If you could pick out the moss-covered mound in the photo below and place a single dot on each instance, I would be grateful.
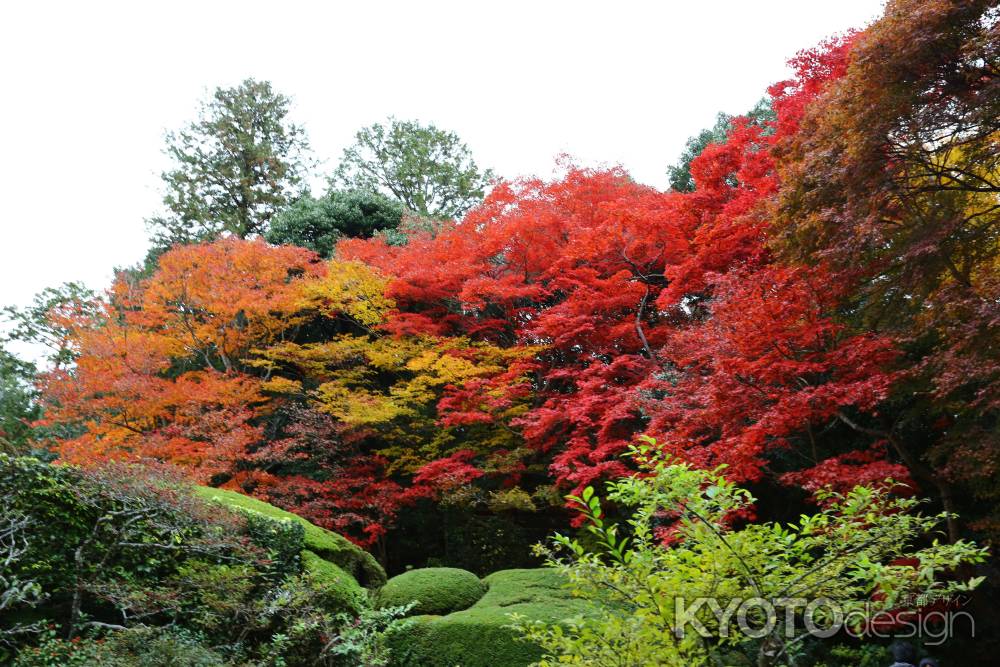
(478, 636)
(338, 590)
(327, 545)
(436, 590)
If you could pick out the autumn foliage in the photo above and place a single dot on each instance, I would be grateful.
(820, 310)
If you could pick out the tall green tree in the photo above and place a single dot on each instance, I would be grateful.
(50, 320)
(48, 324)
(233, 168)
(429, 170)
(17, 402)
(318, 224)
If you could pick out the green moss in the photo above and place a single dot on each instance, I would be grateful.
(326, 544)
(337, 589)
(479, 636)
(436, 590)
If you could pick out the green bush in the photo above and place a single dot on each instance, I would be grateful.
(114, 541)
(135, 647)
(318, 224)
(89, 547)
(45, 493)
(326, 544)
(283, 541)
(481, 636)
(850, 547)
(337, 590)
(434, 590)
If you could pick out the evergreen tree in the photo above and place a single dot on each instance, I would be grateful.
(234, 168)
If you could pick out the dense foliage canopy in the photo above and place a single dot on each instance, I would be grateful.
(812, 304)
(515, 354)
(428, 169)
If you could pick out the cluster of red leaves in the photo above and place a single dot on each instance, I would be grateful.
(767, 364)
(339, 487)
(654, 311)
(840, 473)
(358, 500)
(449, 473)
(573, 266)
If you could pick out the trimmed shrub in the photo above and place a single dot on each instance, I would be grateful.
(435, 590)
(336, 589)
(481, 636)
(326, 544)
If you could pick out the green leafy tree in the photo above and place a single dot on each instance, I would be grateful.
(429, 170)
(17, 402)
(318, 224)
(233, 169)
(679, 175)
(857, 555)
(48, 324)
(50, 320)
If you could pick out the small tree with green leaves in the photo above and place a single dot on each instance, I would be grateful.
(49, 320)
(318, 224)
(680, 546)
(431, 171)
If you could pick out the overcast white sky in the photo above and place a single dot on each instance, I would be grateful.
(90, 87)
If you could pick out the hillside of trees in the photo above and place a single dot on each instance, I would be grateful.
(342, 428)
